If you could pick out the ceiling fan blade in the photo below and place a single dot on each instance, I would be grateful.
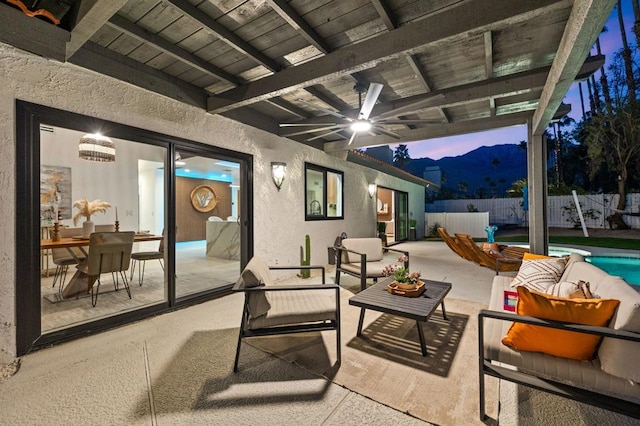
(370, 101)
(385, 132)
(327, 111)
(317, 129)
(408, 121)
(353, 137)
(326, 134)
(306, 124)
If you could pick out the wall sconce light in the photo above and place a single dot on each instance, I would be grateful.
(95, 147)
(278, 172)
(372, 190)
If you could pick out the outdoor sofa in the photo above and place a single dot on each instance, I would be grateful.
(610, 380)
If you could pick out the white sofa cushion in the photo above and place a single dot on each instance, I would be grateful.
(372, 247)
(539, 275)
(571, 290)
(614, 355)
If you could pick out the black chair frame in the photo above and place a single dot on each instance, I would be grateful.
(288, 329)
(585, 396)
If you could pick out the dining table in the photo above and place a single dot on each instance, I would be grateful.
(81, 283)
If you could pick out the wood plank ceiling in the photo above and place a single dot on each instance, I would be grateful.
(461, 65)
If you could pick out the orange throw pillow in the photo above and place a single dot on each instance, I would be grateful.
(561, 343)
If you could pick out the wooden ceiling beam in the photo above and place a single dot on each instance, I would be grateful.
(92, 15)
(139, 33)
(474, 17)
(289, 107)
(583, 27)
(385, 14)
(434, 131)
(286, 12)
(211, 25)
(488, 54)
(104, 61)
(32, 34)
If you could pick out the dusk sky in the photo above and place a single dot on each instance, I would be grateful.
(458, 145)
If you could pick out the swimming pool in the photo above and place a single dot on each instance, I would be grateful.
(560, 251)
(627, 267)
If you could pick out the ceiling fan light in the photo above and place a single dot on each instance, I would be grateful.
(360, 126)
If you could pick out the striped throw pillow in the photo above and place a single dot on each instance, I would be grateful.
(571, 290)
(539, 275)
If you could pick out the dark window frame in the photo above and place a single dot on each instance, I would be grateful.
(323, 214)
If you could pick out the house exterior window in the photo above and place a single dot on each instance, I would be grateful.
(324, 193)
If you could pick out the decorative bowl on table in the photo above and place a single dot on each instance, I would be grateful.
(407, 290)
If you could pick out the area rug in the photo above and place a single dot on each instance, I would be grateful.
(386, 363)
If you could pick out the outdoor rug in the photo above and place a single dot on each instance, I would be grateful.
(386, 363)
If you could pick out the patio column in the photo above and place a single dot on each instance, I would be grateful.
(537, 182)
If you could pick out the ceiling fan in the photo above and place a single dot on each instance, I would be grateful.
(363, 123)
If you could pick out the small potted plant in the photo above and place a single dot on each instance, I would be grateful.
(403, 278)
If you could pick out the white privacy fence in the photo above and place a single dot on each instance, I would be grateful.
(462, 223)
(561, 211)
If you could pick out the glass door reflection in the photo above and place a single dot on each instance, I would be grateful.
(134, 186)
(208, 231)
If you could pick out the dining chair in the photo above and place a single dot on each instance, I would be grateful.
(63, 257)
(143, 256)
(108, 252)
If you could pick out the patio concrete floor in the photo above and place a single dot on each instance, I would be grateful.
(106, 378)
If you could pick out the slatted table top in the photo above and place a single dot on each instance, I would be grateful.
(419, 308)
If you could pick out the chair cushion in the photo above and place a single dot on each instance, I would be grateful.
(147, 255)
(374, 269)
(256, 274)
(539, 275)
(372, 247)
(561, 343)
(296, 307)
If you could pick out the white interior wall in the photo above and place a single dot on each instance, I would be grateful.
(279, 225)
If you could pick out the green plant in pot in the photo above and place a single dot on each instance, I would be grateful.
(403, 278)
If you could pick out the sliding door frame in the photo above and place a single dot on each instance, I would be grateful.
(29, 116)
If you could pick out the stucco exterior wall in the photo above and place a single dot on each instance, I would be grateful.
(279, 225)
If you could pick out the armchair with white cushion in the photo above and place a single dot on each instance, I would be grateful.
(271, 308)
(363, 258)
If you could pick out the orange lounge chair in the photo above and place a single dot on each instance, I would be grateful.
(509, 258)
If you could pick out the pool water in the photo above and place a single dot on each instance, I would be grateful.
(625, 267)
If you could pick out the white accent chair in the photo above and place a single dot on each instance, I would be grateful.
(363, 258)
(283, 309)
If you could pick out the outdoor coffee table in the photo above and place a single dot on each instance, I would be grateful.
(418, 308)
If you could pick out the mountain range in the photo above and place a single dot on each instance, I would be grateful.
(485, 171)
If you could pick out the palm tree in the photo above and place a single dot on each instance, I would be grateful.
(626, 56)
(401, 155)
(636, 14)
(604, 83)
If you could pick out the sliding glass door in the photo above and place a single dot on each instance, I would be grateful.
(401, 215)
(188, 206)
(208, 222)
